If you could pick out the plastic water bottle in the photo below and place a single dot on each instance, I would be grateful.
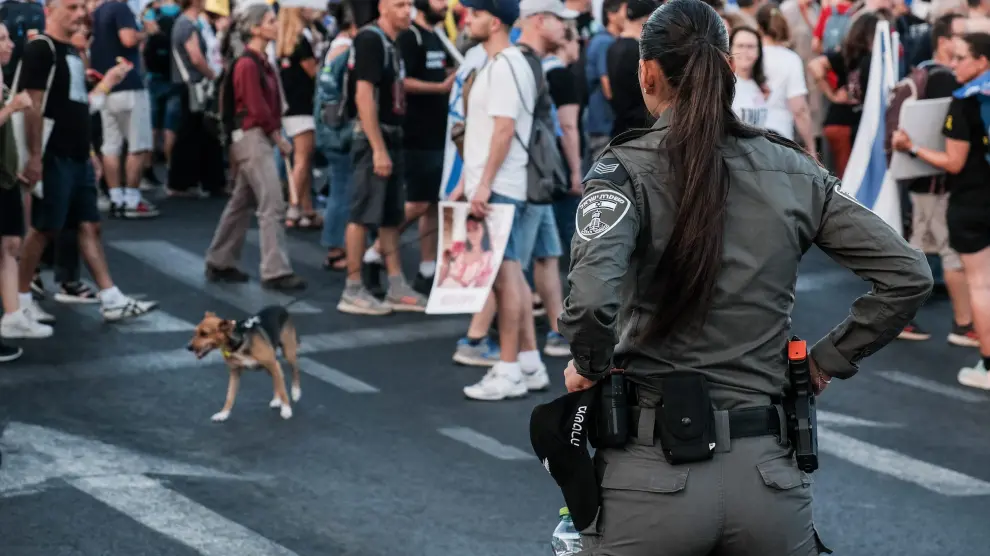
(566, 539)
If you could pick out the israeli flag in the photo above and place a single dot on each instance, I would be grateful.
(474, 59)
(866, 178)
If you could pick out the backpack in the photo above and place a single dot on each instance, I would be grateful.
(20, 17)
(158, 48)
(546, 179)
(334, 122)
(912, 87)
(221, 120)
(835, 30)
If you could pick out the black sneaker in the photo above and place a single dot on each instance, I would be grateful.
(913, 332)
(231, 275)
(289, 282)
(371, 274)
(9, 352)
(117, 210)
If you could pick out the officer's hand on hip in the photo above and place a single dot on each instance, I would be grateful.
(573, 381)
(819, 379)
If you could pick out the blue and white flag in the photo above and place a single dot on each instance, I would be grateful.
(474, 59)
(866, 178)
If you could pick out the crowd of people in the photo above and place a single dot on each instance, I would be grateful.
(280, 109)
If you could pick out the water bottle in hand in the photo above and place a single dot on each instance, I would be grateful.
(566, 539)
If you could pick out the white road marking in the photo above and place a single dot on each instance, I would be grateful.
(155, 321)
(343, 381)
(840, 420)
(815, 281)
(173, 515)
(170, 360)
(932, 386)
(485, 443)
(300, 252)
(33, 455)
(900, 466)
(188, 268)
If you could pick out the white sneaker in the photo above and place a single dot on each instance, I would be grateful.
(536, 379)
(975, 377)
(19, 325)
(127, 309)
(497, 385)
(36, 313)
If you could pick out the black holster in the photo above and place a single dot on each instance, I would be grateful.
(613, 415)
(686, 418)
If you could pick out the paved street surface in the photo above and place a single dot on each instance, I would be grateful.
(108, 448)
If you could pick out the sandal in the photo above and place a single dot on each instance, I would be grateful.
(292, 218)
(335, 262)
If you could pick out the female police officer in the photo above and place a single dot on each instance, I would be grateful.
(684, 265)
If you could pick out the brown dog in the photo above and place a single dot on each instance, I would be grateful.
(249, 344)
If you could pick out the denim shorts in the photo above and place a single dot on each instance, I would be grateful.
(547, 242)
(166, 106)
(70, 195)
(522, 237)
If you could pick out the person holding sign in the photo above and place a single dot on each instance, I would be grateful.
(968, 215)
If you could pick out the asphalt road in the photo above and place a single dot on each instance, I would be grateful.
(108, 448)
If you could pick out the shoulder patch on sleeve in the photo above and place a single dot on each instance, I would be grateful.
(609, 169)
(599, 212)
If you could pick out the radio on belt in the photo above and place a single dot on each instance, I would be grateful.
(802, 420)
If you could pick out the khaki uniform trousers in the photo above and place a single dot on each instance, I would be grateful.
(751, 500)
(256, 186)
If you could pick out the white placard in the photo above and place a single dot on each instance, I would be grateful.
(470, 253)
(922, 120)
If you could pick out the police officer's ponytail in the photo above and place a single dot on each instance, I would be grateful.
(689, 42)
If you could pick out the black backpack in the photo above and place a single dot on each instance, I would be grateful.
(158, 48)
(221, 120)
(20, 18)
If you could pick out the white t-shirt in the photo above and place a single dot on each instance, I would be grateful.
(785, 77)
(495, 93)
(749, 103)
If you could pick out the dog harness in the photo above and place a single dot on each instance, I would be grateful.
(267, 323)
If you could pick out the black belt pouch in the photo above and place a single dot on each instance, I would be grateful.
(686, 419)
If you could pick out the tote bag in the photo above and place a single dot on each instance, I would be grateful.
(17, 119)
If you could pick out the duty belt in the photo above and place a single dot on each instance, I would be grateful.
(742, 423)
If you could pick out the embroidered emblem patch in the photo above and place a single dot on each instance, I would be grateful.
(599, 212)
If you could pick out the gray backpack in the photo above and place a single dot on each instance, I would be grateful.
(546, 178)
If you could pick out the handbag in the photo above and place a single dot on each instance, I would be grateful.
(200, 92)
(17, 119)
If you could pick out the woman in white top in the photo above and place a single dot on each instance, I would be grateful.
(788, 107)
(750, 100)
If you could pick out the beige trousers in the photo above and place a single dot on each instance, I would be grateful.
(256, 185)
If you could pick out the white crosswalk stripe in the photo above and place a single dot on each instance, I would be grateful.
(188, 268)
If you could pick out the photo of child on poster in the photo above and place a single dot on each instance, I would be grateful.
(471, 251)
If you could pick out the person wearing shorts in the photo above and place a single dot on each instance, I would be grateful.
(930, 234)
(540, 223)
(126, 115)
(377, 197)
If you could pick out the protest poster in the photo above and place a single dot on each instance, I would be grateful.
(469, 252)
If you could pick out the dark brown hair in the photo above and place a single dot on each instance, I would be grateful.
(773, 24)
(688, 40)
(859, 40)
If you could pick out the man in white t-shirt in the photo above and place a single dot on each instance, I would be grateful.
(497, 129)
(788, 107)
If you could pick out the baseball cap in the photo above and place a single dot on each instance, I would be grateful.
(555, 7)
(558, 431)
(507, 11)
